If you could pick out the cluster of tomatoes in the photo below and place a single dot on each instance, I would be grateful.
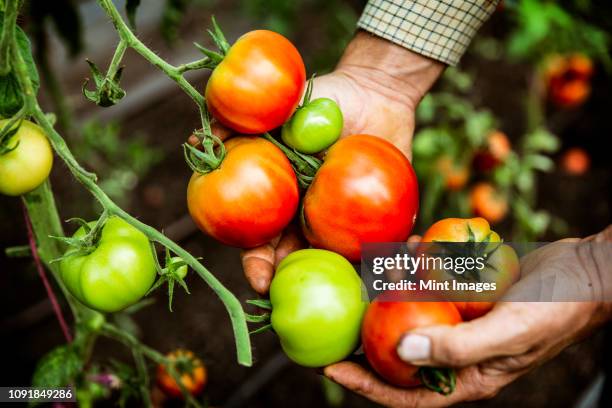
(568, 79)
(485, 199)
(364, 190)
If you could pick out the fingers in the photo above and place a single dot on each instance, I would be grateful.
(358, 379)
(509, 329)
(258, 266)
(259, 263)
(291, 241)
(219, 130)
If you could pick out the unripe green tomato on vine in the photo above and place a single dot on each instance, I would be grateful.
(314, 127)
(28, 165)
(117, 273)
(318, 302)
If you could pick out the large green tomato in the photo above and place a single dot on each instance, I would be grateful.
(29, 164)
(116, 274)
(318, 302)
(314, 127)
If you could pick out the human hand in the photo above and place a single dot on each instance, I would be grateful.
(494, 350)
(377, 85)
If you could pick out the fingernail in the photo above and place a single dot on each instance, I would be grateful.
(414, 347)
(262, 285)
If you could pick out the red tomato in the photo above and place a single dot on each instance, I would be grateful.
(365, 191)
(258, 84)
(473, 310)
(496, 151)
(567, 79)
(388, 318)
(249, 199)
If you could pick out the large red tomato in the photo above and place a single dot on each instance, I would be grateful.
(258, 84)
(249, 199)
(388, 318)
(365, 191)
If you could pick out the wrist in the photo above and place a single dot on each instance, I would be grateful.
(389, 69)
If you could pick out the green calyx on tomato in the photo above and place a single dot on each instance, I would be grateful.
(116, 272)
(250, 199)
(174, 271)
(26, 157)
(501, 261)
(318, 302)
(314, 126)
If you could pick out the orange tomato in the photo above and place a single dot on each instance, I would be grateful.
(190, 370)
(502, 264)
(259, 83)
(576, 161)
(488, 203)
(249, 199)
(455, 174)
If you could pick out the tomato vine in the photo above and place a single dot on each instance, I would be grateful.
(43, 215)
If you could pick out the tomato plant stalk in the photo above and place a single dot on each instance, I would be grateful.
(40, 203)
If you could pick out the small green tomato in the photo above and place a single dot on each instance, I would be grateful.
(314, 127)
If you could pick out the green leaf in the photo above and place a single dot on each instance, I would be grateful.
(262, 303)
(426, 110)
(525, 180)
(477, 126)
(540, 162)
(541, 140)
(130, 10)
(12, 100)
(57, 368)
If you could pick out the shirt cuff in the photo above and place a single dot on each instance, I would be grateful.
(439, 29)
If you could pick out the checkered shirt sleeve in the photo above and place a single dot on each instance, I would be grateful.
(439, 29)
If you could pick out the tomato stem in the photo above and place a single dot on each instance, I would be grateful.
(308, 93)
(305, 166)
(43, 277)
(88, 179)
(439, 379)
(208, 158)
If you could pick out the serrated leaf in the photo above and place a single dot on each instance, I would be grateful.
(57, 368)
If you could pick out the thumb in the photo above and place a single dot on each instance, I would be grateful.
(502, 332)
